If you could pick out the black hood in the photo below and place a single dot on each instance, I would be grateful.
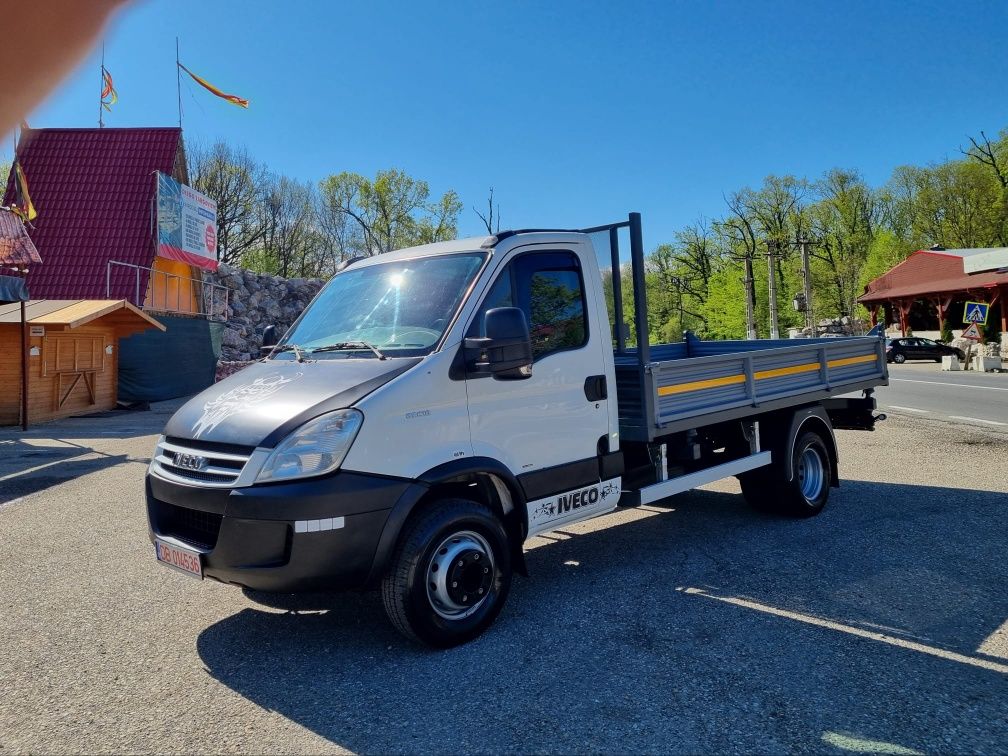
(260, 405)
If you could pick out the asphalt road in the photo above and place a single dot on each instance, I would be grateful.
(697, 626)
(963, 397)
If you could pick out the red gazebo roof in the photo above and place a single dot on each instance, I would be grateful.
(94, 191)
(929, 272)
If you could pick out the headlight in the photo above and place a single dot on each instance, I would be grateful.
(316, 448)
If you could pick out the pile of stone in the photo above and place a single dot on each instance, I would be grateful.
(257, 300)
(991, 349)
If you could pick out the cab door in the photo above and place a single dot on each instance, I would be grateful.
(549, 428)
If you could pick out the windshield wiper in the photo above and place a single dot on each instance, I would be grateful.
(344, 345)
(298, 354)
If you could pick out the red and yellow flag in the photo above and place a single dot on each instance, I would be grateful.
(109, 96)
(22, 202)
(233, 99)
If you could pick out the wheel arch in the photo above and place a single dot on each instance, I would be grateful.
(481, 479)
(816, 420)
(782, 429)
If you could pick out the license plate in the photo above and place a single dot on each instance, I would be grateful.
(184, 560)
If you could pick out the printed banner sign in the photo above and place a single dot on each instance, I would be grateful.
(186, 224)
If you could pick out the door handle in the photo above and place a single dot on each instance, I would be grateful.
(595, 388)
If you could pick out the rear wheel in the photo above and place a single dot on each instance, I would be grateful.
(899, 358)
(805, 494)
(450, 574)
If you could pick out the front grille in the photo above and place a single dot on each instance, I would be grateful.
(203, 462)
(192, 526)
(199, 475)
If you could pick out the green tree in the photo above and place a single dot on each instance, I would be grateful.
(387, 213)
(843, 223)
(236, 182)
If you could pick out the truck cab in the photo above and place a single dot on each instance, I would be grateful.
(429, 411)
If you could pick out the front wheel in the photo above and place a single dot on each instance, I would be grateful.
(450, 574)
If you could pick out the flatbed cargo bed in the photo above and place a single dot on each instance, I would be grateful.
(696, 383)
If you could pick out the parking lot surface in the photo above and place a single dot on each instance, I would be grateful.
(694, 626)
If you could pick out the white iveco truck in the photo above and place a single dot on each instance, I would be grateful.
(436, 406)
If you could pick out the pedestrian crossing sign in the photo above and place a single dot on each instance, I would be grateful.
(976, 312)
(971, 332)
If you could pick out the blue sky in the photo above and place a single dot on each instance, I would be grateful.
(575, 112)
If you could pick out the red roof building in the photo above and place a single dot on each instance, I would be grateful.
(94, 190)
(929, 282)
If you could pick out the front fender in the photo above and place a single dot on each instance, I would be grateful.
(445, 474)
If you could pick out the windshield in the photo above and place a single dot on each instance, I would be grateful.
(401, 308)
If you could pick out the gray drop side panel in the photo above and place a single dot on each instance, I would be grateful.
(696, 360)
(156, 365)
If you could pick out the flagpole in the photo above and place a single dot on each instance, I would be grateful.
(178, 83)
(102, 87)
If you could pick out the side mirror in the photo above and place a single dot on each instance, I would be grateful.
(506, 350)
(269, 339)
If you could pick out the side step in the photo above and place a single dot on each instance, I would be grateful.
(673, 486)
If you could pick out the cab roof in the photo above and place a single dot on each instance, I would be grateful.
(472, 244)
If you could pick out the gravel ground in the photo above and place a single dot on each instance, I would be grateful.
(695, 626)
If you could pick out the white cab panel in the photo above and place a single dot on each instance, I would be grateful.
(415, 422)
(545, 420)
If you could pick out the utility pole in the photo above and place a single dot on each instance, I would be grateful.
(803, 245)
(750, 300)
(772, 251)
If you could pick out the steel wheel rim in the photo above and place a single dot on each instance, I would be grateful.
(460, 575)
(811, 474)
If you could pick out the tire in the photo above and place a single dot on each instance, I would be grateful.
(899, 358)
(806, 494)
(767, 490)
(444, 605)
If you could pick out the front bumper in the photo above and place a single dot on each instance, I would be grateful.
(316, 534)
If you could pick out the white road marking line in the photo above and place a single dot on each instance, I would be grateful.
(908, 409)
(996, 643)
(941, 653)
(956, 385)
(860, 745)
(976, 420)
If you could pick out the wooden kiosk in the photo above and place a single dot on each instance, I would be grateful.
(73, 350)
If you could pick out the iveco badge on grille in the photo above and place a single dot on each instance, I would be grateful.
(190, 461)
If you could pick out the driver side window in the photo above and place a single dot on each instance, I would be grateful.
(549, 289)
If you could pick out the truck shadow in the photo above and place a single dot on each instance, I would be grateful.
(28, 469)
(701, 627)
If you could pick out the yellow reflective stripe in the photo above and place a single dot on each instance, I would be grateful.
(728, 380)
(853, 360)
(680, 388)
(808, 367)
